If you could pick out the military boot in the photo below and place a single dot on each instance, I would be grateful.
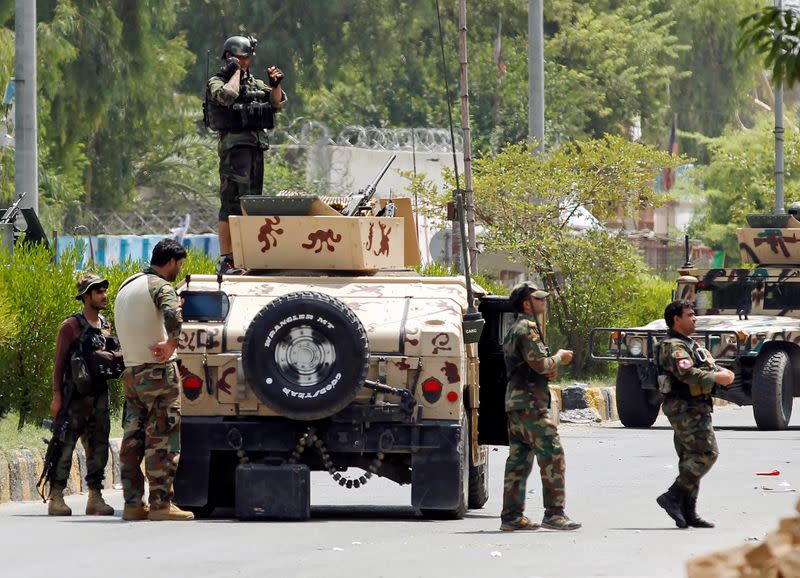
(521, 523)
(135, 513)
(225, 266)
(690, 514)
(558, 520)
(56, 506)
(170, 512)
(672, 502)
(96, 505)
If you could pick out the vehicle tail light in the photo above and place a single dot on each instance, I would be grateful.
(431, 390)
(452, 397)
(192, 386)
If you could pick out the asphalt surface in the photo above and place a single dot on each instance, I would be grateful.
(613, 477)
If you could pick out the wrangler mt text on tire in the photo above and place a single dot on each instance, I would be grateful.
(306, 355)
(633, 403)
(772, 390)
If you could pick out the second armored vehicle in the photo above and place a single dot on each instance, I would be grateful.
(749, 319)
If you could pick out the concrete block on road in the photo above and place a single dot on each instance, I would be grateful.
(602, 400)
(112, 469)
(22, 475)
(556, 404)
(5, 483)
(20, 471)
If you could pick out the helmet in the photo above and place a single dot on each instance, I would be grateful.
(524, 290)
(239, 46)
(86, 283)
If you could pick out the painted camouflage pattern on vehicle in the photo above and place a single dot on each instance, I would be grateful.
(769, 246)
(412, 322)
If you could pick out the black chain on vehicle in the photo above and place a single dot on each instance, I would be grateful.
(310, 439)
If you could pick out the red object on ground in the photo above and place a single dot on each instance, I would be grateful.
(772, 473)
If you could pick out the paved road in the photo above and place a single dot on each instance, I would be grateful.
(613, 477)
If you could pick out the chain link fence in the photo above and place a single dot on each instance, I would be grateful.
(203, 219)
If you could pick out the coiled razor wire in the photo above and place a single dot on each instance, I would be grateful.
(303, 132)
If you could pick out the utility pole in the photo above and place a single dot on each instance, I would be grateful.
(26, 164)
(536, 73)
(465, 130)
(779, 198)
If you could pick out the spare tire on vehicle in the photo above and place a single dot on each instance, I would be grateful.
(306, 355)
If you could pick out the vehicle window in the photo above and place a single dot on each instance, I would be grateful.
(777, 296)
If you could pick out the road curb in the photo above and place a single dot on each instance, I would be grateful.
(20, 470)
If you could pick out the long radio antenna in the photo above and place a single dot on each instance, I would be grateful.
(472, 321)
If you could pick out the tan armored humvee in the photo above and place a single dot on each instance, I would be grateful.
(749, 319)
(332, 351)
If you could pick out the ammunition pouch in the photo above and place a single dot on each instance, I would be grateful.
(664, 382)
(80, 375)
(244, 115)
(664, 379)
(105, 365)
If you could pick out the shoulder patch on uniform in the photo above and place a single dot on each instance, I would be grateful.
(680, 353)
(684, 363)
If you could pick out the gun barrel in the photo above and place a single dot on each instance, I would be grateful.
(366, 195)
(374, 184)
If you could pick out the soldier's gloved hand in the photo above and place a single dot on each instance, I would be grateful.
(230, 68)
(275, 75)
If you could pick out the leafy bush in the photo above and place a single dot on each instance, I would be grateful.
(36, 294)
(436, 269)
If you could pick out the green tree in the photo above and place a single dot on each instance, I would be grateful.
(595, 274)
(718, 82)
(775, 34)
(740, 179)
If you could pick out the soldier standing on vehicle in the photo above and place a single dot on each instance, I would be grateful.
(148, 317)
(531, 431)
(242, 139)
(692, 377)
(80, 338)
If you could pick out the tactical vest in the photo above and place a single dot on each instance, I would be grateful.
(139, 322)
(79, 370)
(669, 384)
(244, 115)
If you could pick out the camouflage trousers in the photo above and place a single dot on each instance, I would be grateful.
(152, 424)
(694, 439)
(241, 172)
(531, 432)
(88, 420)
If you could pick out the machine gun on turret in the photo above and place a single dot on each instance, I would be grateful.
(33, 231)
(361, 200)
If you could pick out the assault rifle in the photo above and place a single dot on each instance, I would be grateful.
(364, 196)
(55, 445)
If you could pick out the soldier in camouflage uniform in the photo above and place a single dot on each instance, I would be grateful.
(88, 414)
(531, 431)
(241, 153)
(691, 376)
(148, 316)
